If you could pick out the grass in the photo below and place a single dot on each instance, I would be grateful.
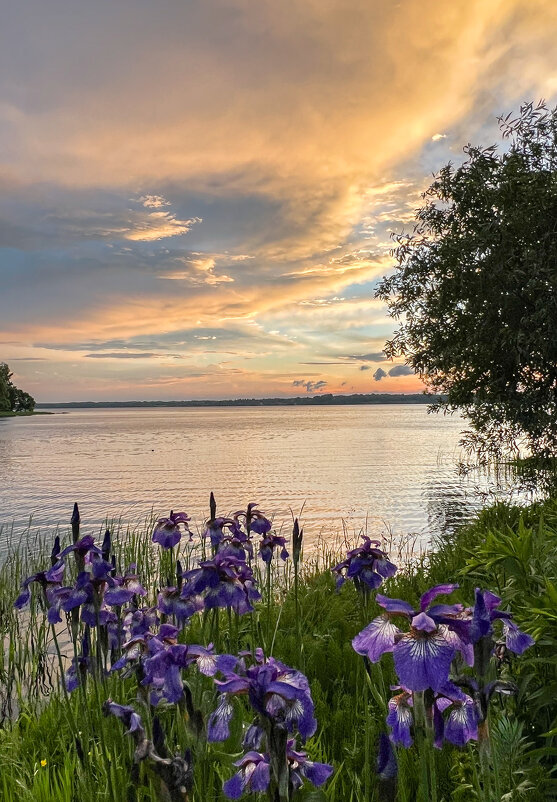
(510, 550)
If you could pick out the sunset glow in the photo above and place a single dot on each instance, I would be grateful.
(197, 198)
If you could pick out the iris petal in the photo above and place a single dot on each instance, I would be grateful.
(394, 605)
(432, 593)
(218, 726)
(376, 639)
(516, 640)
(423, 661)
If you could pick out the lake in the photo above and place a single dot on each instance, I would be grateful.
(385, 468)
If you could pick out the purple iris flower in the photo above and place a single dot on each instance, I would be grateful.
(122, 589)
(163, 659)
(163, 670)
(303, 769)
(237, 543)
(86, 593)
(423, 655)
(516, 640)
(367, 565)
(254, 773)
(138, 622)
(254, 520)
(100, 569)
(114, 629)
(131, 719)
(49, 581)
(254, 776)
(461, 723)
(485, 613)
(276, 692)
(215, 529)
(82, 547)
(170, 602)
(224, 581)
(136, 647)
(167, 532)
(455, 717)
(400, 718)
(268, 545)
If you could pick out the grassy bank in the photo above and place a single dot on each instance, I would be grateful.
(53, 748)
(6, 414)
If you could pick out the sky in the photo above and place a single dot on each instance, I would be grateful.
(197, 196)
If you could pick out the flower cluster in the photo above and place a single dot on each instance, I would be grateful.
(224, 581)
(366, 565)
(159, 659)
(424, 654)
(104, 610)
(281, 700)
(96, 588)
(277, 694)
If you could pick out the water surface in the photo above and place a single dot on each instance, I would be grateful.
(386, 467)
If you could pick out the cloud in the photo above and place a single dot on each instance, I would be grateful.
(157, 225)
(311, 386)
(124, 355)
(59, 217)
(375, 357)
(102, 345)
(201, 270)
(153, 201)
(396, 370)
(365, 367)
(437, 137)
(401, 370)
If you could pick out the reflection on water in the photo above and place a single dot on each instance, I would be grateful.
(380, 467)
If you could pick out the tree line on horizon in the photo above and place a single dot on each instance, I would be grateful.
(320, 400)
(12, 399)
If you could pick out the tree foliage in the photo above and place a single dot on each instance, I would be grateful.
(475, 287)
(12, 399)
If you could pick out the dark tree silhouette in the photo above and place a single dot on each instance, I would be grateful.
(12, 399)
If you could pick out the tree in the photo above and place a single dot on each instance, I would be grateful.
(23, 402)
(12, 399)
(5, 384)
(475, 287)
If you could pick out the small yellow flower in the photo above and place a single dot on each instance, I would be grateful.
(43, 763)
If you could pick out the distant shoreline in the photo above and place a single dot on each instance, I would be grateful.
(302, 401)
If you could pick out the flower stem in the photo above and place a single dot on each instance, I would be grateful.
(422, 747)
(484, 747)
